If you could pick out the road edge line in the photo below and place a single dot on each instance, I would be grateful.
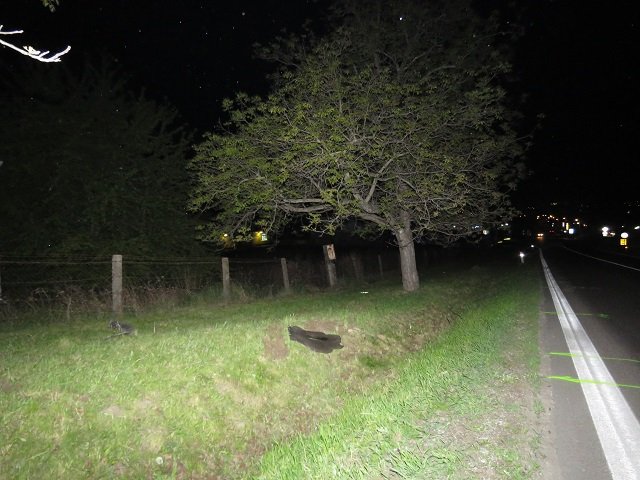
(617, 427)
(601, 259)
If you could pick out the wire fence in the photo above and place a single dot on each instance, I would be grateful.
(84, 283)
(21, 273)
(307, 269)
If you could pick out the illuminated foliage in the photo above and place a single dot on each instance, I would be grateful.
(51, 4)
(395, 119)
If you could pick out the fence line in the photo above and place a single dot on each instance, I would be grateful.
(303, 269)
(39, 262)
(46, 279)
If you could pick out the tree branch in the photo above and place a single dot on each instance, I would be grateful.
(308, 209)
(31, 52)
(378, 220)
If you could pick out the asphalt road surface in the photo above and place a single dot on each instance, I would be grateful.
(590, 341)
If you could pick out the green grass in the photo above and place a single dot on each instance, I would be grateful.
(212, 391)
(392, 432)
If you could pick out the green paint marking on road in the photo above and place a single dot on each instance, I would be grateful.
(615, 359)
(599, 315)
(564, 354)
(567, 378)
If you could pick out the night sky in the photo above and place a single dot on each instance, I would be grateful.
(578, 64)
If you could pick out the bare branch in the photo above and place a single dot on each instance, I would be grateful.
(29, 51)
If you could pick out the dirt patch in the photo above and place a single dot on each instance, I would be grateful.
(114, 411)
(7, 386)
(147, 405)
(235, 392)
(326, 326)
(410, 333)
(153, 438)
(120, 470)
(275, 347)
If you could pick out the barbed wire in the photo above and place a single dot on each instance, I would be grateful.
(51, 256)
(20, 260)
(4, 261)
(56, 282)
(161, 262)
(49, 262)
(250, 261)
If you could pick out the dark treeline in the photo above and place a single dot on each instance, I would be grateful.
(90, 167)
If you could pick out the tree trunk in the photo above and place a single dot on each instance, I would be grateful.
(408, 267)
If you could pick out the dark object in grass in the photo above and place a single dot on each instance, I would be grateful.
(316, 341)
(122, 328)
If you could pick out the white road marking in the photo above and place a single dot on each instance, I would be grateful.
(602, 259)
(617, 427)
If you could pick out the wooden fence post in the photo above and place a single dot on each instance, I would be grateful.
(380, 266)
(116, 284)
(226, 279)
(329, 257)
(356, 262)
(285, 275)
(1, 281)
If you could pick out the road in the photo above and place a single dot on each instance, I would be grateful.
(592, 363)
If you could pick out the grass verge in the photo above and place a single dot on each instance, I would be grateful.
(207, 391)
(464, 407)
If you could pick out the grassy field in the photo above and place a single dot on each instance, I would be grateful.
(438, 384)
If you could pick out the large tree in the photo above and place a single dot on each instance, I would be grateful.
(396, 118)
(90, 167)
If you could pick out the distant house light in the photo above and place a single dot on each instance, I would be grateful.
(259, 237)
